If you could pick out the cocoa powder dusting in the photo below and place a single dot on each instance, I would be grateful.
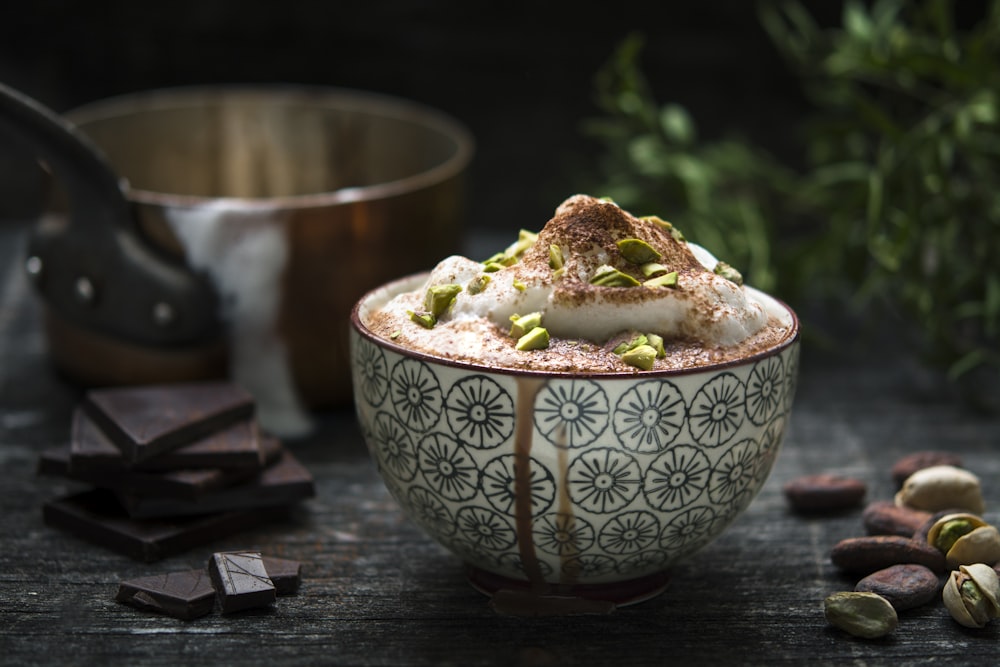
(586, 231)
(495, 349)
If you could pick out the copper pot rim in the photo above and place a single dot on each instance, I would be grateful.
(408, 282)
(377, 104)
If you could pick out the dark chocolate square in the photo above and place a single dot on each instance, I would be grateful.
(285, 574)
(283, 483)
(186, 595)
(96, 516)
(241, 581)
(234, 446)
(187, 483)
(145, 421)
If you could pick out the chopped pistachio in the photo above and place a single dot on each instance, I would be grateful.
(637, 251)
(519, 285)
(656, 342)
(658, 221)
(624, 347)
(512, 253)
(664, 225)
(559, 273)
(522, 324)
(609, 276)
(536, 339)
(652, 269)
(395, 334)
(556, 260)
(478, 284)
(525, 240)
(729, 273)
(501, 258)
(666, 280)
(426, 320)
(439, 297)
(641, 357)
(607, 199)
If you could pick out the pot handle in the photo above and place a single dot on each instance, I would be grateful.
(92, 267)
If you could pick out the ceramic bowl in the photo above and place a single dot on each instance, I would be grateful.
(590, 485)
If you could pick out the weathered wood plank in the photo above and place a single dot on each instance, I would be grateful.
(377, 592)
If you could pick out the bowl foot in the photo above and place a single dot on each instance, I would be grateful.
(523, 598)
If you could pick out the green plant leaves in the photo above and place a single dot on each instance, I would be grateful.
(897, 203)
(677, 125)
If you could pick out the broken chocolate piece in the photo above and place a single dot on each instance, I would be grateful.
(235, 446)
(185, 595)
(241, 581)
(285, 482)
(285, 574)
(188, 484)
(145, 421)
(97, 517)
(54, 461)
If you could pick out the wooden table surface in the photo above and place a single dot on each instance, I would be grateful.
(376, 591)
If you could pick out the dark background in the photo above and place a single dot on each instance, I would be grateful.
(518, 74)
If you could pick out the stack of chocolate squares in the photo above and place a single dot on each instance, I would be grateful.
(173, 467)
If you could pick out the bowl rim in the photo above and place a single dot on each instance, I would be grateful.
(395, 285)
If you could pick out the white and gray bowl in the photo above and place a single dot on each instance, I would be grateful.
(590, 485)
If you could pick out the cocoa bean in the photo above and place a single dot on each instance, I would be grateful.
(824, 493)
(864, 555)
(884, 517)
(905, 586)
(911, 463)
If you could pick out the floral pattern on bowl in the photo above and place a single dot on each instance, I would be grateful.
(575, 479)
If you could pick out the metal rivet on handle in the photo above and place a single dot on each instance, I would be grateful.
(33, 267)
(85, 290)
(163, 313)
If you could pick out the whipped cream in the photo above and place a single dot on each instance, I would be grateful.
(701, 308)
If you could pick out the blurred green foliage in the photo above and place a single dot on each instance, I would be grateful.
(895, 205)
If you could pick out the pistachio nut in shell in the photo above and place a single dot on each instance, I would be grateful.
(947, 530)
(982, 545)
(941, 487)
(861, 614)
(915, 461)
(971, 595)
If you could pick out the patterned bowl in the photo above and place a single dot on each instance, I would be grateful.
(584, 485)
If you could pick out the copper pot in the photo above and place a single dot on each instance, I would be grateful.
(287, 203)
